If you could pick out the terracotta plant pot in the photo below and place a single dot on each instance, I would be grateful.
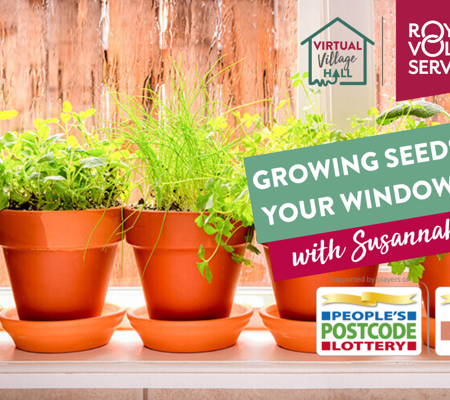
(296, 298)
(436, 274)
(173, 287)
(59, 262)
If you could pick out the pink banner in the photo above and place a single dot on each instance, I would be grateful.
(360, 247)
(422, 48)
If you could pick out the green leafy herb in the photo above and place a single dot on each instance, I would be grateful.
(401, 117)
(48, 169)
(420, 109)
(415, 268)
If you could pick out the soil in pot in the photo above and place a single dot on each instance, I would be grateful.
(173, 287)
(59, 262)
(296, 298)
(436, 274)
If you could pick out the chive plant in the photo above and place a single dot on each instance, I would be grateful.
(186, 157)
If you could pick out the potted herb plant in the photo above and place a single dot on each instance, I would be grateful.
(192, 225)
(296, 298)
(433, 271)
(60, 216)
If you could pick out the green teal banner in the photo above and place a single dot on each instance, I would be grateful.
(350, 184)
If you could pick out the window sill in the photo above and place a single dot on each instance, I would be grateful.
(254, 362)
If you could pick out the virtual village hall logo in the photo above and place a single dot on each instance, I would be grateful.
(332, 61)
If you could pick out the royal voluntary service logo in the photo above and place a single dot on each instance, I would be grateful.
(423, 49)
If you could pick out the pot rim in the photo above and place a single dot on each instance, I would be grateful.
(134, 210)
(90, 210)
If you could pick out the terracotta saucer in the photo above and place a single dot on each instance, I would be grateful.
(288, 333)
(190, 336)
(62, 336)
(432, 331)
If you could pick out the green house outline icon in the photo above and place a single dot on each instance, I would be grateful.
(309, 41)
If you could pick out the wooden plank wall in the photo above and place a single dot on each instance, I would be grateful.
(57, 50)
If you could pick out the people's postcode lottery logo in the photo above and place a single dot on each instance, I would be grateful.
(362, 321)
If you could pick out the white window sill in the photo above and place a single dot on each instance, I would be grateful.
(254, 362)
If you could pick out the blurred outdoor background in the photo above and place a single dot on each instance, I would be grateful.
(57, 50)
